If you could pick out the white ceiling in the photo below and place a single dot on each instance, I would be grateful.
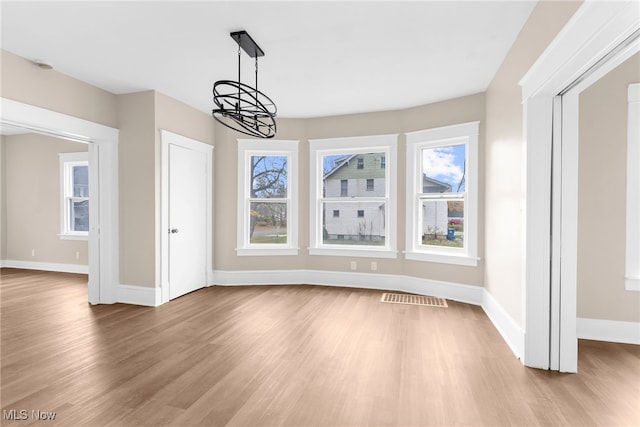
(321, 58)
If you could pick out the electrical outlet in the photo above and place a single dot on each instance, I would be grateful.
(374, 266)
(33, 252)
(354, 265)
(77, 255)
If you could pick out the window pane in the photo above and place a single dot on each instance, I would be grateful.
(359, 223)
(268, 177)
(349, 175)
(268, 223)
(344, 187)
(443, 222)
(80, 176)
(79, 215)
(443, 169)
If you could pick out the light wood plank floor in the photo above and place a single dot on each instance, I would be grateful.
(286, 355)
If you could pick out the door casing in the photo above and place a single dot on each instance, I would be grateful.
(594, 31)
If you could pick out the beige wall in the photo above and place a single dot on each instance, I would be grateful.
(141, 117)
(137, 190)
(32, 173)
(602, 198)
(504, 157)
(460, 110)
(23, 81)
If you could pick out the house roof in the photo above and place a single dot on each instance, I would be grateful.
(445, 186)
(343, 162)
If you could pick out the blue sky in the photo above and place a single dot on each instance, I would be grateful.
(271, 163)
(446, 164)
(328, 162)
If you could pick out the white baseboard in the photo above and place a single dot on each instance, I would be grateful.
(139, 295)
(453, 291)
(504, 323)
(608, 330)
(45, 266)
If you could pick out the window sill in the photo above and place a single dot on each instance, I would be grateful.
(442, 258)
(266, 251)
(364, 253)
(73, 236)
(632, 284)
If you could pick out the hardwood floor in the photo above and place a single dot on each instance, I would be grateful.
(285, 355)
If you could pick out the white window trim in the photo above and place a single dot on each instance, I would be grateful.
(632, 260)
(253, 147)
(387, 144)
(67, 161)
(416, 141)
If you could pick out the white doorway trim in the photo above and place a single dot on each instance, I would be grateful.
(169, 138)
(632, 257)
(103, 167)
(595, 30)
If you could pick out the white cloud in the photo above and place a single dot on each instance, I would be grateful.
(439, 163)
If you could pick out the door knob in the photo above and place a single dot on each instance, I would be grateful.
(173, 231)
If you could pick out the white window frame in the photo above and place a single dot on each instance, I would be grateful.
(464, 133)
(67, 162)
(246, 149)
(632, 259)
(387, 144)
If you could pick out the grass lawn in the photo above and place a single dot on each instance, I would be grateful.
(443, 242)
(353, 242)
(269, 239)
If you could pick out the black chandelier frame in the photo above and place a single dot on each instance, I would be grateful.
(240, 106)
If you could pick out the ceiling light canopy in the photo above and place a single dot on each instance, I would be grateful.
(43, 65)
(241, 107)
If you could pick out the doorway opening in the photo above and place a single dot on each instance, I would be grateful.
(103, 192)
(597, 36)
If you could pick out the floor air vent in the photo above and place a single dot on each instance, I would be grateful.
(413, 300)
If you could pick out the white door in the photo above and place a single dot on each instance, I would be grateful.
(187, 220)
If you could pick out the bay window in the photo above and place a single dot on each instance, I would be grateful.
(442, 194)
(352, 196)
(267, 197)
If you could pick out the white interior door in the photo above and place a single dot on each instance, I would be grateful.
(187, 220)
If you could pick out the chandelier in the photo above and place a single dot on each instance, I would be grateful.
(241, 107)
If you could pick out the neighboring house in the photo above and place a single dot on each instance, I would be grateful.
(356, 176)
(435, 214)
(361, 176)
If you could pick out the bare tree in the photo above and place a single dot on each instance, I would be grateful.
(268, 180)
